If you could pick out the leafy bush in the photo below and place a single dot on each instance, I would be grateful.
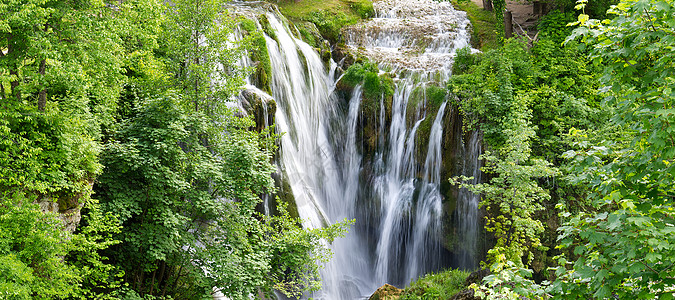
(554, 25)
(440, 285)
(463, 61)
(39, 259)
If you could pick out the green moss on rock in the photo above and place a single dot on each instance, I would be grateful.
(258, 54)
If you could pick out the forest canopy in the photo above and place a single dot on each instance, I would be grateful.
(125, 174)
(114, 110)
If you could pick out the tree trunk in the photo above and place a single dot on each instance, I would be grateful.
(15, 71)
(487, 5)
(42, 97)
(14, 85)
(537, 8)
(2, 86)
(508, 24)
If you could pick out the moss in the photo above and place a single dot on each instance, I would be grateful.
(307, 33)
(363, 9)
(247, 25)
(325, 55)
(386, 292)
(267, 28)
(259, 54)
(330, 23)
(357, 72)
(285, 197)
(436, 95)
(329, 16)
(422, 135)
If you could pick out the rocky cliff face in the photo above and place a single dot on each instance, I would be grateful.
(67, 207)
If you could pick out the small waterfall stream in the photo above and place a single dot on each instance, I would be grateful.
(395, 192)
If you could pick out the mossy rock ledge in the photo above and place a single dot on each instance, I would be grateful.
(260, 106)
(386, 292)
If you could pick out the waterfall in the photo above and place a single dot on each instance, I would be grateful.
(467, 206)
(416, 40)
(393, 192)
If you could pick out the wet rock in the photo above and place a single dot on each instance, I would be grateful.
(386, 292)
(464, 295)
(261, 106)
(476, 277)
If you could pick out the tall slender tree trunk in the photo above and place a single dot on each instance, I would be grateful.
(2, 86)
(508, 24)
(14, 84)
(42, 97)
(487, 5)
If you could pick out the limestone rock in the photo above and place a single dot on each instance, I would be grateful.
(256, 103)
(386, 292)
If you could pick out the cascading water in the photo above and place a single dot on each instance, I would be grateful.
(416, 40)
(394, 193)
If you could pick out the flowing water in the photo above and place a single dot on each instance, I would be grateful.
(393, 193)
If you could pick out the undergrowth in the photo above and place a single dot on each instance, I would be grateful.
(441, 285)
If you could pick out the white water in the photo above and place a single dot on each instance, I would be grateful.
(467, 206)
(398, 205)
(416, 40)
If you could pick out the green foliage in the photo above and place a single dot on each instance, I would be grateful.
(524, 101)
(463, 61)
(513, 195)
(32, 244)
(553, 26)
(560, 85)
(52, 152)
(498, 8)
(509, 281)
(441, 285)
(624, 244)
(192, 62)
(40, 260)
(171, 193)
(178, 171)
(436, 95)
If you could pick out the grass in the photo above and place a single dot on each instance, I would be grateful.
(441, 285)
(484, 34)
(329, 16)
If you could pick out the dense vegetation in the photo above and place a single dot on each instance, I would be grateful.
(115, 110)
(578, 191)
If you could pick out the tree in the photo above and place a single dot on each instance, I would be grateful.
(624, 244)
(41, 260)
(184, 174)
